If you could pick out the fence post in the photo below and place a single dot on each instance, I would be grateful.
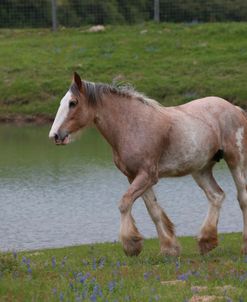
(54, 14)
(156, 10)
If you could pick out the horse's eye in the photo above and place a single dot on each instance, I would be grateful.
(73, 103)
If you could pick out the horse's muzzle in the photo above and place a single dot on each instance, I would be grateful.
(61, 138)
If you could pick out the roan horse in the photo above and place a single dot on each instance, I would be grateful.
(150, 141)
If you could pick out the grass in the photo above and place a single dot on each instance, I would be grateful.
(172, 63)
(101, 272)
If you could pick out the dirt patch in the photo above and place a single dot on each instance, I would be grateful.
(206, 298)
(173, 282)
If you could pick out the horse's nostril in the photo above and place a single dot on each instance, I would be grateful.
(56, 137)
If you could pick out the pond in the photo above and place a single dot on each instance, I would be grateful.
(60, 196)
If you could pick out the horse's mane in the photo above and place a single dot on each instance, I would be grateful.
(95, 92)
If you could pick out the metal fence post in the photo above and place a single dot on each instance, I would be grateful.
(156, 10)
(54, 14)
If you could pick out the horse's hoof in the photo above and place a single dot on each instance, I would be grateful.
(173, 250)
(207, 244)
(132, 246)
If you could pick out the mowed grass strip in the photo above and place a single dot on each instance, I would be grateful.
(172, 63)
(101, 272)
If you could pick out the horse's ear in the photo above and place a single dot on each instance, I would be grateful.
(77, 80)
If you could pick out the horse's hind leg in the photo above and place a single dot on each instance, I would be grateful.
(240, 178)
(165, 229)
(207, 238)
(236, 158)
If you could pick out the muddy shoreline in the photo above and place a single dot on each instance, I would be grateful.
(19, 119)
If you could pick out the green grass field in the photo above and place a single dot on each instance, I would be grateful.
(173, 63)
(101, 272)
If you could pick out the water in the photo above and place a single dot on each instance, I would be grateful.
(60, 196)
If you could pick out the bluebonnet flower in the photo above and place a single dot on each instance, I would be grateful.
(146, 275)
(102, 262)
(93, 298)
(84, 293)
(29, 270)
(85, 262)
(243, 277)
(97, 290)
(111, 285)
(183, 277)
(53, 262)
(196, 273)
(94, 265)
(24, 259)
(61, 297)
(15, 254)
(71, 286)
(64, 261)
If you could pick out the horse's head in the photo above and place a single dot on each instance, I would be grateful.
(74, 113)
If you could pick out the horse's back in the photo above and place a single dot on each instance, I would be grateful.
(217, 112)
(199, 130)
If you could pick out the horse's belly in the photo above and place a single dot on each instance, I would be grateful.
(181, 167)
(189, 152)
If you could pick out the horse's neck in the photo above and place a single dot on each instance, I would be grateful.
(115, 118)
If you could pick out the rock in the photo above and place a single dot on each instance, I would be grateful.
(96, 28)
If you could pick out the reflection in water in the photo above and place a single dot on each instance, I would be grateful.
(59, 196)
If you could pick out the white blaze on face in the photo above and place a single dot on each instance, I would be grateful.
(239, 142)
(61, 115)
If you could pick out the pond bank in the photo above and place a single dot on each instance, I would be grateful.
(19, 119)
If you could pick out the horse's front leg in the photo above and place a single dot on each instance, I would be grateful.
(129, 235)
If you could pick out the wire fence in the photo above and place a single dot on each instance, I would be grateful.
(74, 13)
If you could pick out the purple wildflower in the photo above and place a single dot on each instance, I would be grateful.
(64, 261)
(183, 277)
(177, 264)
(71, 286)
(97, 290)
(61, 297)
(93, 298)
(146, 275)
(94, 265)
(84, 262)
(243, 277)
(15, 255)
(111, 285)
(102, 262)
(53, 262)
(29, 270)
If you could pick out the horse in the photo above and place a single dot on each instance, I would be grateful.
(150, 141)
